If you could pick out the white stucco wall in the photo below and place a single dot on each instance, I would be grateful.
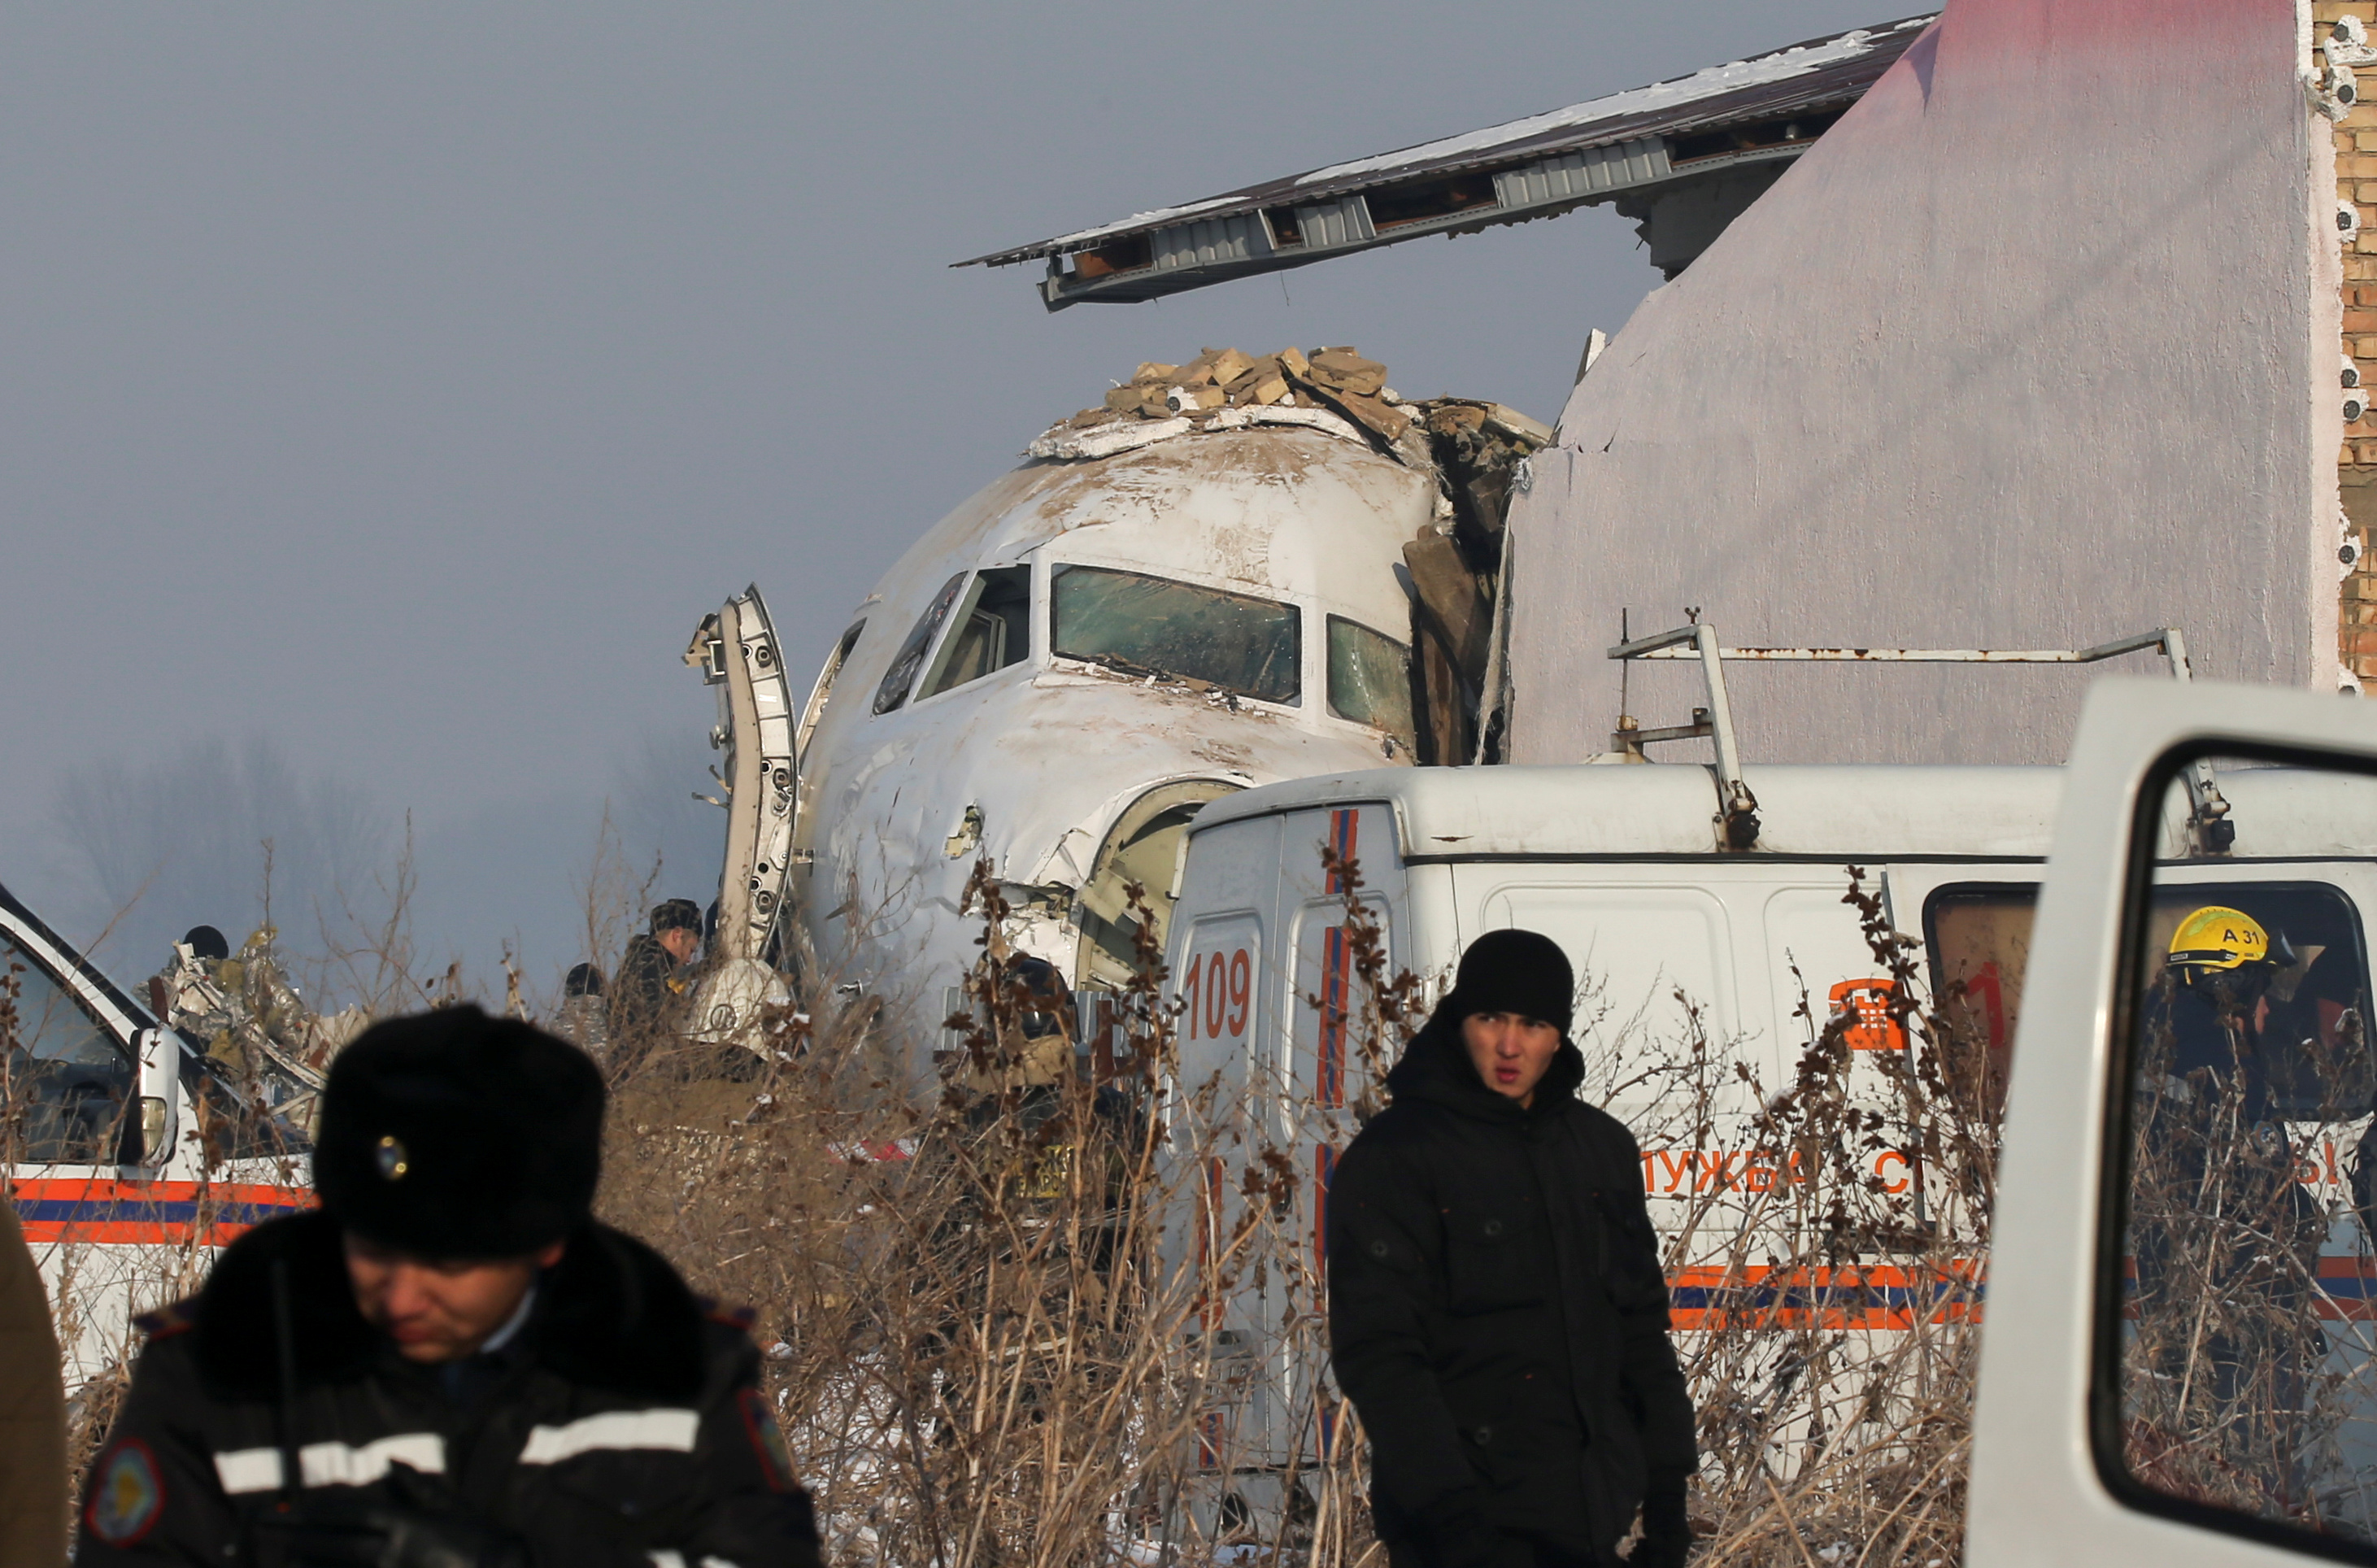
(2036, 347)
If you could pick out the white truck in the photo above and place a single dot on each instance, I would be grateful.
(130, 1156)
(1736, 915)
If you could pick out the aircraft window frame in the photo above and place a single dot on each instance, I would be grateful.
(2110, 1305)
(1012, 618)
(1292, 666)
(899, 677)
(813, 712)
(1406, 731)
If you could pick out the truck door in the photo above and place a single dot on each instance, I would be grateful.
(2178, 1367)
(1221, 1110)
(1339, 1052)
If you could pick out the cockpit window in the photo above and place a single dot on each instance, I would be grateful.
(903, 673)
(993, 631)
(1369, 679)
(1152, 626)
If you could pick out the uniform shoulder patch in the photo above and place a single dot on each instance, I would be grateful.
(767, 1441)
(168, 1320)
(126, 1495)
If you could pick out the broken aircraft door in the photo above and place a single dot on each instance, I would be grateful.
(736, 651)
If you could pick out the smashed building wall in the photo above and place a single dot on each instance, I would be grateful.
(2336, 23)
(2032, 349)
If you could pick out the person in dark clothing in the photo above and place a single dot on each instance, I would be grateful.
(450, 1364)
(652, 982)
(1496, 1310)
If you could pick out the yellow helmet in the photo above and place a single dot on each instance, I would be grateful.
(2218, 938)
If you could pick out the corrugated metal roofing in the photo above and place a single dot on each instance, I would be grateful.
(1523, 168)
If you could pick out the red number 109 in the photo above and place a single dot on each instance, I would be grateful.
(1220, 994)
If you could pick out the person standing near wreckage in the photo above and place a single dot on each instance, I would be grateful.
(653, 976)
(1496, 1310)
(467, 1369)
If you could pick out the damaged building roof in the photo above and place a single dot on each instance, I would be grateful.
(1682, 156)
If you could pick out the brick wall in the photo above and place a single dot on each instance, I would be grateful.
(2355, 181)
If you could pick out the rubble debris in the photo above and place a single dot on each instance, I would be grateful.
(243, 1011)
(1476, 451)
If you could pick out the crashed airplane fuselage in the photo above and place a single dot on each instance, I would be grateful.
(1054, 678)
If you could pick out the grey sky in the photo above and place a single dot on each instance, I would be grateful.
(399, 385)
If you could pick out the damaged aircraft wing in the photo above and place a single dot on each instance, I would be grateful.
(1681, 157)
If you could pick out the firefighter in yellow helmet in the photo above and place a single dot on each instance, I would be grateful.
(2215, 1184)
(2221, 962)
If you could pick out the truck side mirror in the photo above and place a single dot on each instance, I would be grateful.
(160, 1094)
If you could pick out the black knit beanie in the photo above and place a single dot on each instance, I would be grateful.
(1521, 972)
(451, 1135)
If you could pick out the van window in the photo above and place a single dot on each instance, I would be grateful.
(1152, 626)
(1369, 679)
(1978, 938)
(911, 657)
(67, 1082)
(2315, 1055)
(994, 631)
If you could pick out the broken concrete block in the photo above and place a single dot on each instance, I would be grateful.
(1387, 420)
(1123, 399)
(1229, 365)
(1198, 372)
(1150, 371)
(1293, 362)
(1188, 400)
(1343, 368)
(1260, 383)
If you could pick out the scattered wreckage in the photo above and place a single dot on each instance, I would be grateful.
(1233, 570)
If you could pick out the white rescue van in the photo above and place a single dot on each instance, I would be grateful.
(1686, 942)
(130, 1156)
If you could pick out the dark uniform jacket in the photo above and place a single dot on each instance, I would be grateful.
(646, 997)
(1498, 1314)
(622, 1426)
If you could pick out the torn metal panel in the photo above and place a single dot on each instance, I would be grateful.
(1756, 113)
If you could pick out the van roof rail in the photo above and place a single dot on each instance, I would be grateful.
(2210, 829)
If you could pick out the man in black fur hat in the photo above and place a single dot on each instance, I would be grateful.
(467, 1369)
(1496, 1310)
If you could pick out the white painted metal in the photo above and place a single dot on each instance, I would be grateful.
(737, 652)
(2036, 1497)
(1618, 864)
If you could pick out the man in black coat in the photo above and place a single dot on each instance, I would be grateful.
(653, 979)
(450, 1364)
(1496, 1310)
